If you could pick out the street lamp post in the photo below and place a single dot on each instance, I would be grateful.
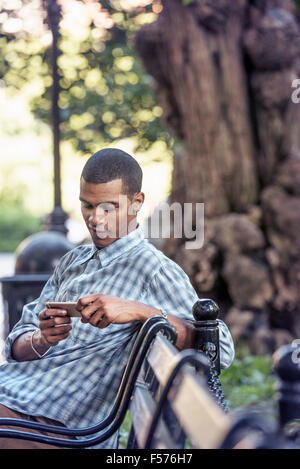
(58, 217)
(38, 254)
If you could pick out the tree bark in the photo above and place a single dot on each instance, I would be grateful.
(223, 72)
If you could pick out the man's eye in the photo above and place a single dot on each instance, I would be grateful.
(88, 206)
(107, 207)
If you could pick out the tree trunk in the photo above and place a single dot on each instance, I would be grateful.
(224, 73)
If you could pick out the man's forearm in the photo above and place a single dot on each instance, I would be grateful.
(185, 332)
(22, 349)
(184, 329)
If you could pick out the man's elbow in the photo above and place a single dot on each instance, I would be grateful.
(226, 346)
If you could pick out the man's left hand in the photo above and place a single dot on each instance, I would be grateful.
(101, 310)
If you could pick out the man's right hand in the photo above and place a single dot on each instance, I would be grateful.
(54, 324)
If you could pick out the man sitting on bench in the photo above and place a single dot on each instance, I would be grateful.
(67, 371)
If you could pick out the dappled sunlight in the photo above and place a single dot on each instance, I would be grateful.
(26, 156)
(100, 73)
(77, 17)
(27, 165)
(106, 99)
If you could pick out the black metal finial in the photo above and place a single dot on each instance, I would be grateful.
(205, 310)
(206, 326)
(286, 364)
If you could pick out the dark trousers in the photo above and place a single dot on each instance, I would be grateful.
(11, 443)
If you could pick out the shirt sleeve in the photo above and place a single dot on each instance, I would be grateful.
(29, 319)
(171, 290)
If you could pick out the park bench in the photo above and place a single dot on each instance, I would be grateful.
(171, 401)
(155, 329)
(175, 397)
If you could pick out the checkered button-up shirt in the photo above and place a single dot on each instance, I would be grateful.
(77, 380)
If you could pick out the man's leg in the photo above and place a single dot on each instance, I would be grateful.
(13, 443)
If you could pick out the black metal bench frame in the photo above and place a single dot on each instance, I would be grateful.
(113, 421)
(200, 364)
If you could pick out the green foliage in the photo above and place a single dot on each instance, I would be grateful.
(16, 224)
(105, 93)
(249, 381)
(124, 430)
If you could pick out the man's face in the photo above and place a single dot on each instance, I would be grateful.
(107, 210)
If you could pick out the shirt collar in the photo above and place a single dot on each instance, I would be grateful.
(116, 249)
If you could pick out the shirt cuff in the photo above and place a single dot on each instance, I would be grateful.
(12, 337)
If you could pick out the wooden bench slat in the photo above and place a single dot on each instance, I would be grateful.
(203, 421)
(141, 410)
(162, 357)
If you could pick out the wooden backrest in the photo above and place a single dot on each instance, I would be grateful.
(189, 409)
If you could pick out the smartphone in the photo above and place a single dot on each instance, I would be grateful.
(67, 305)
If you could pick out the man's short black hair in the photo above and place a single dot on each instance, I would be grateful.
(109, 164)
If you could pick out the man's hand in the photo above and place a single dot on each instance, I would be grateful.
(101, 310)
(54, 325)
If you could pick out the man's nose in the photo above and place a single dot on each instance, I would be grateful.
(97, 216)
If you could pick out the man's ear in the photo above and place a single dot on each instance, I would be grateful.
(137, 202)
